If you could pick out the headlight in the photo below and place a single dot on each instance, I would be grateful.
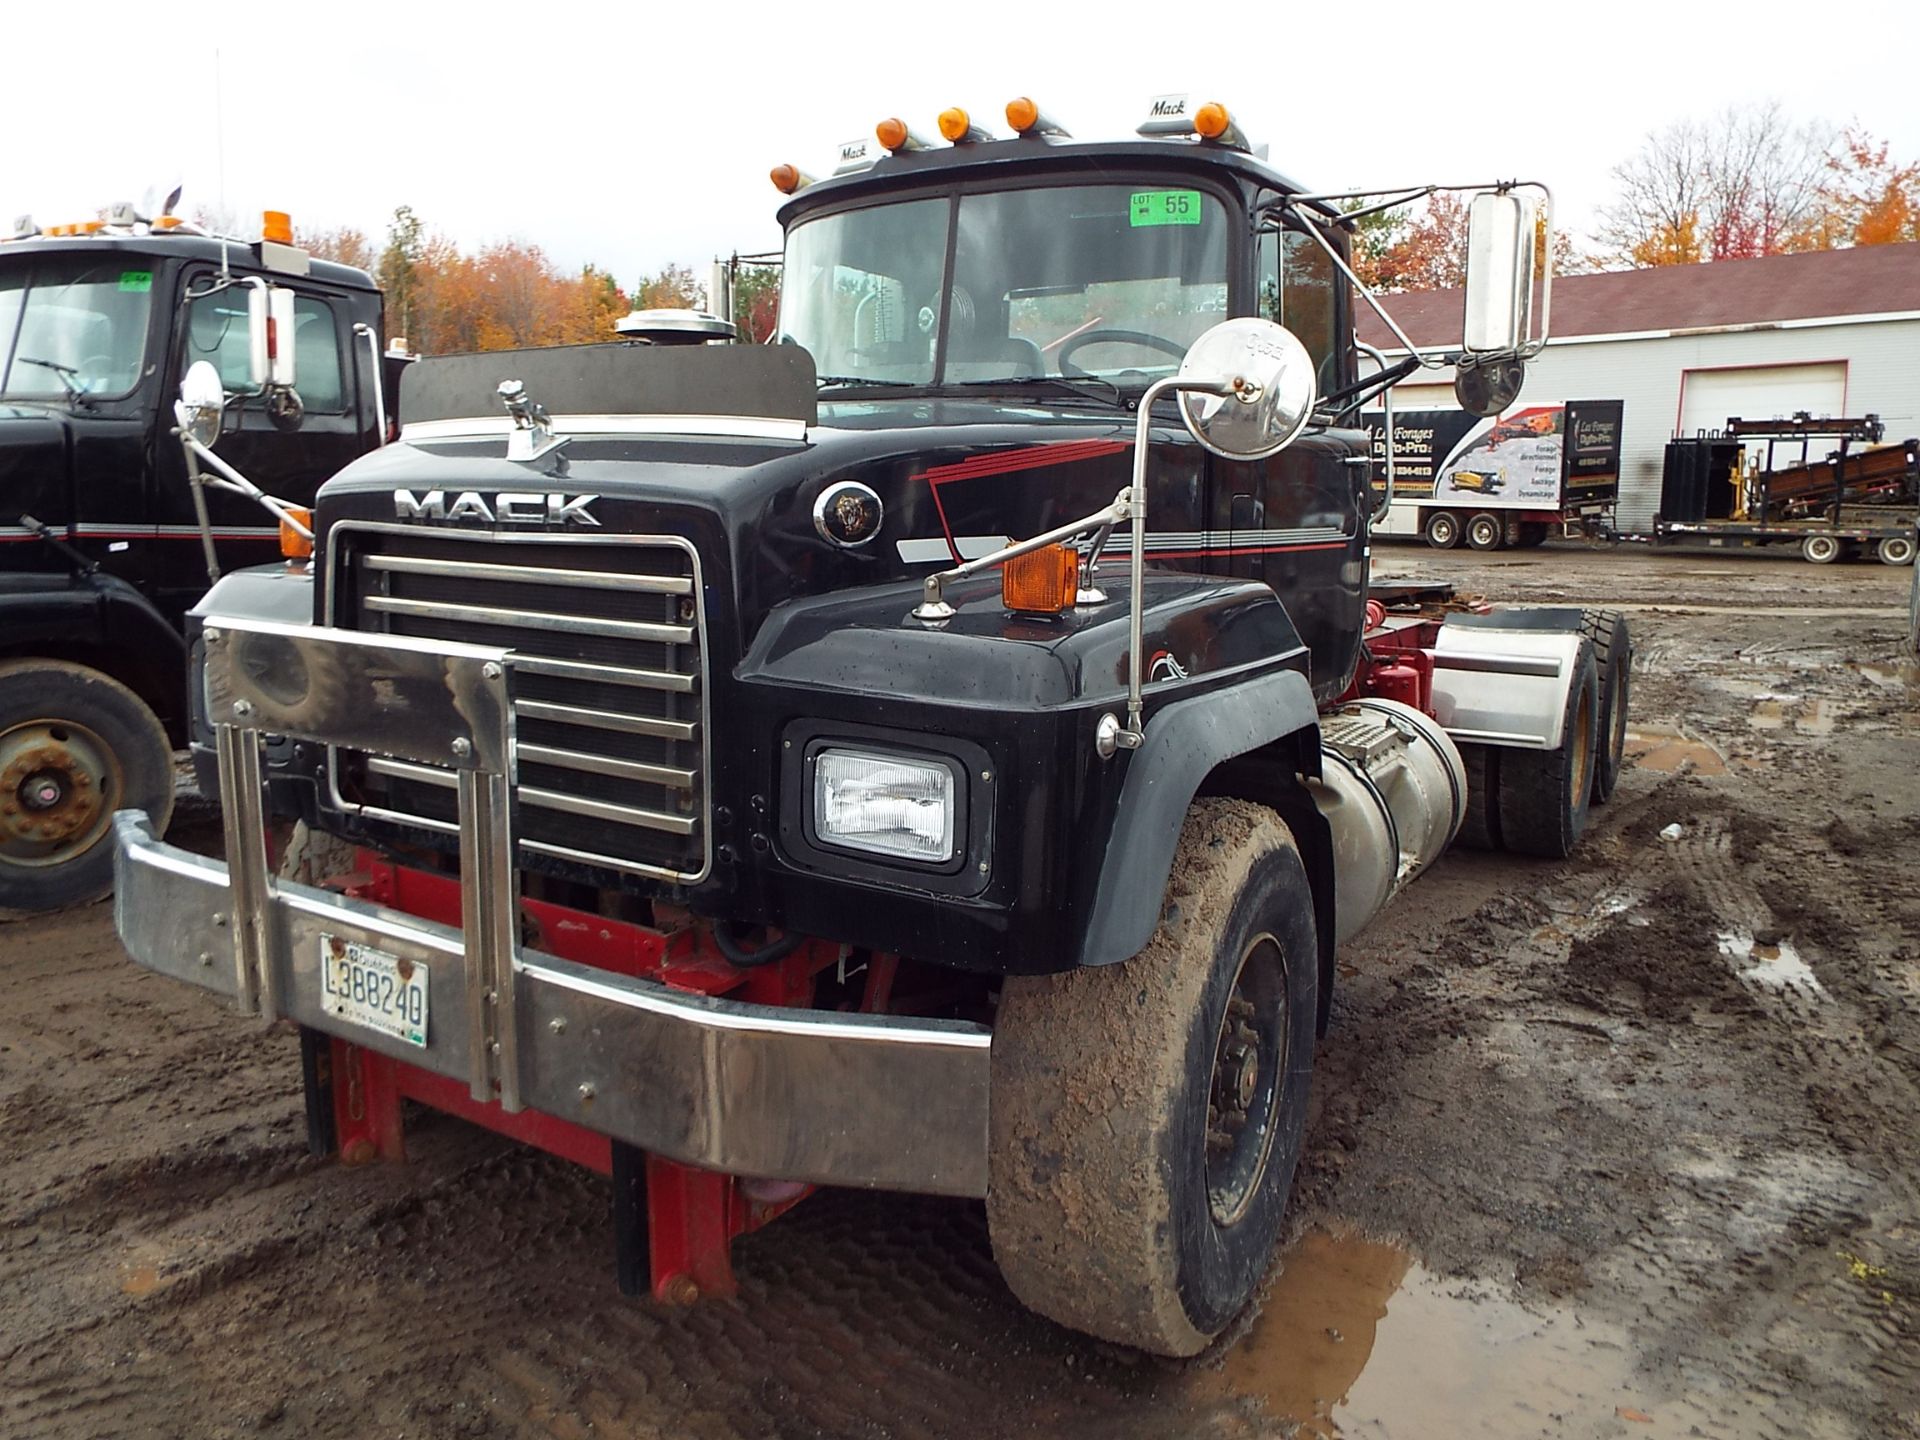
(884, 804)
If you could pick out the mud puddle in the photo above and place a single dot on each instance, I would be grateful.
(1358, 1339)
(1667, 750)
(1810, 717)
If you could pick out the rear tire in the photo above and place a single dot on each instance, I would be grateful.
(1485, 531)
(1613, 658)
(75, 746)
(1545, 795)
(1147, 1117)
(1821, 549)
(1895, 550)
(1442, 529)
(1533, 533)
(1481, 829)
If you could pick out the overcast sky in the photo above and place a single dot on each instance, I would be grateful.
(632, 135)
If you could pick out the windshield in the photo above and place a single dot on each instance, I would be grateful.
(74, 329)
(1113, 281)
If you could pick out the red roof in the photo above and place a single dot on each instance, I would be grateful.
(1866, 280)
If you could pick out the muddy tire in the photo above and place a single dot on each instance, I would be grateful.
(1147, 1117)
(1481, 828)
(1613, 658)
(1486, 531)
(75, 746)
(1821, 549)
(1442, 529)
(1895, 550)
(1545, 795)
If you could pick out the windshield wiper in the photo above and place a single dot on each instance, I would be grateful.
(821, 382)
(66, 374)
(1075, 386)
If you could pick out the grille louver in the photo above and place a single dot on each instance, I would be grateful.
(610, 699)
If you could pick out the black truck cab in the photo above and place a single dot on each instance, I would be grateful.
(100, 550)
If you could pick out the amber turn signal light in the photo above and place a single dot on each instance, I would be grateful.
(1041, 582)
(293, 544)
(277, 227)
(1211, 120)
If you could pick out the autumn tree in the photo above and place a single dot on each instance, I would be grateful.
(1866, 199)
(342, 243)
(673, 288)
(1413, 250)
(399, 274)
(756, 301)
(1747, 182)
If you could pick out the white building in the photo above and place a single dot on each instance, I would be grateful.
(1686, 347)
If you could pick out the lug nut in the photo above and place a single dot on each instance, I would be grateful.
(462, 747)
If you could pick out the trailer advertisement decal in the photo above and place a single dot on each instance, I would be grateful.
(1520, 460)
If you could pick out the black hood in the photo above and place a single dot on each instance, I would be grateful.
(35, 460)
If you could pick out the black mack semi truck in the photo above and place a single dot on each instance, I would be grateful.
(104, 541)
(939, 750)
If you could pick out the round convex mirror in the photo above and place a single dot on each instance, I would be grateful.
(1273, 388)
(203, 402)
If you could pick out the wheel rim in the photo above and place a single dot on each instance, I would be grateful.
(1821, 549)
(1483, 534)
(1249, 1061)
(1442, 532)
(1581, 775)
(1896, 551)
(59, 783)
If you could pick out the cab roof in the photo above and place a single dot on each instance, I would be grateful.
(991, 159)
(242, 254)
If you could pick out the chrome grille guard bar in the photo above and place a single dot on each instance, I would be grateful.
(866, 1100)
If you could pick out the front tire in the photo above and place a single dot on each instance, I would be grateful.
(1147, 1117)
(75, 746)
(1486, 532)
(1613, 658)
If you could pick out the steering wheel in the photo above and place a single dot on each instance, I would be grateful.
(1116, 337)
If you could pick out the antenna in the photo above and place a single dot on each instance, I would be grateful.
(220, 129)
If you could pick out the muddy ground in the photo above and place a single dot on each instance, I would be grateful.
(1622, 1146)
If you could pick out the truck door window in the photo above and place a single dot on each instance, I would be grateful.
(1298, 289)
(88, 323)
(217, 331)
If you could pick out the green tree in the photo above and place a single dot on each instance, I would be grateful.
(400, 274)
(674, 288)
(756, 301)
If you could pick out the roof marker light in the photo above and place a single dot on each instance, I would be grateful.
(896, 137)
(92, 227)
(276, 227)
(789, 178)
(1211, 120)
(957, 126)
(1027, 118)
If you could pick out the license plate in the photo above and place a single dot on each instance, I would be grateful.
(372, 988)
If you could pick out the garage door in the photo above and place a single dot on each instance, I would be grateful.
(1708, 398)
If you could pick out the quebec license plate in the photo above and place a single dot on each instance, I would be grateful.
(372, 988)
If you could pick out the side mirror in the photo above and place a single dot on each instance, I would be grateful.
(1501, 229)
(203, 402)
(1269, 394)
(270, 324)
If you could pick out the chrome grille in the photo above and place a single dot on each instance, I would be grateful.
(609, 699)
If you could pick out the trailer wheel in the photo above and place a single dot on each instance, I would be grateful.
(1442, 529)
(1480, 830)
(1486, 532)
(1545, 795)
(1147, 1116)
(1533, 533)
(1613, 659)
(1895, 550)
(1820, 549)
(75, 746)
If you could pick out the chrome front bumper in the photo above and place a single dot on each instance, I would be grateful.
(838, 1099)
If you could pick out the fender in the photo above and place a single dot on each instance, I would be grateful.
(102, 621)
(1186, 741)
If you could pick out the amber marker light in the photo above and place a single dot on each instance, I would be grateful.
(1041, 582)
(954, 124)
(786, 178)
(277, 227)
(1022, 114)
(891, 132)
(293, 544)
(1211, 120)
(92, 227)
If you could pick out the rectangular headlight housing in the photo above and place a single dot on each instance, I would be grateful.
(884, 804)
